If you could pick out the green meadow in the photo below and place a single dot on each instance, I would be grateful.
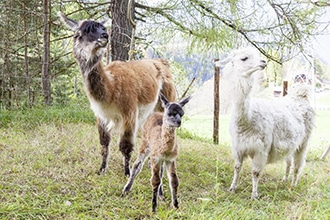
(49, 158)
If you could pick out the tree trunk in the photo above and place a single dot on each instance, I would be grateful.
(121, 29)
(3, 65)
(7, 74)
(26, 57)
(45, 72)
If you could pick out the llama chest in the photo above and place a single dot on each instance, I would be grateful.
(109, 114)
(169, 152)
(162, 148)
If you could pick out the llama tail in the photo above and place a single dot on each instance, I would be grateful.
(168, 87)
(167, 83)
(163, 62)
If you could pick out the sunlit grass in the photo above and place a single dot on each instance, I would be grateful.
(48, 171)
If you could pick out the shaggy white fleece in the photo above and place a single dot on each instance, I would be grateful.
(265, 130)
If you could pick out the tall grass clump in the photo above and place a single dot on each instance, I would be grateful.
(29, 118)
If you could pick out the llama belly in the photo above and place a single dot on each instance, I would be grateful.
(108, 114)
(282, 149)
(248, 144)
(112, 117)
(166, 157)
(276, 154)
(286, 141)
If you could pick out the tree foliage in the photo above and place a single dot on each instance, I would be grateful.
(284, 26)
(280, 29)
(23, 51)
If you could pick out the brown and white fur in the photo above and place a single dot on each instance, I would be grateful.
(122, 94)
(159, 141)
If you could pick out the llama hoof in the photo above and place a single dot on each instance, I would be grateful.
(232, 190)
(162, 198)
(101, 171)
(254, 196)
(176, 204)
(123, 194)
(127, 172)
(125, 191)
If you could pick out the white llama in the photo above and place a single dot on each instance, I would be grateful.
(159, 141)
(265, 130)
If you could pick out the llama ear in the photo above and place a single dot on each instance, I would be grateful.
(106, 23)
(68, 22)
(222, 62)
(184, 101)
(163, 99)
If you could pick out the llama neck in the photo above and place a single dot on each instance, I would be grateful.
(241, 100)
(169, 137)
(241, 91)
(87, 63)
(94, 77)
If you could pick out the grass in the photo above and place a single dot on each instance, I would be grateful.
(49, 158)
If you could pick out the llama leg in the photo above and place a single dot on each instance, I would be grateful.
(137, 167)
(105, 138)
(126, 146)
(174, 182)
(237, 169)
(288, 167)
(155, 183)
(160, 192)
(258, 164)
(299, 162)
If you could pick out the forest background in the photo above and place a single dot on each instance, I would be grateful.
(37, 67)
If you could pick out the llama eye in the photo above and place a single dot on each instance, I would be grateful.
(244, 59)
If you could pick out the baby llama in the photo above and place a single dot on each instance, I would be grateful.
(159, 141)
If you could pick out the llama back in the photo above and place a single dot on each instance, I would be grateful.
(159, 67)
(136, 76)
(301, 91)
(302, 94)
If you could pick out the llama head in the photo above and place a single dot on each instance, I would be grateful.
(90, 37)
(243, 62)
(173, 111)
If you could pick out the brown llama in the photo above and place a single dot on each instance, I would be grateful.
(121, 94)
(159, 141)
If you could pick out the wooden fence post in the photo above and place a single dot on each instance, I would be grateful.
(216, 104)
(285, 88)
